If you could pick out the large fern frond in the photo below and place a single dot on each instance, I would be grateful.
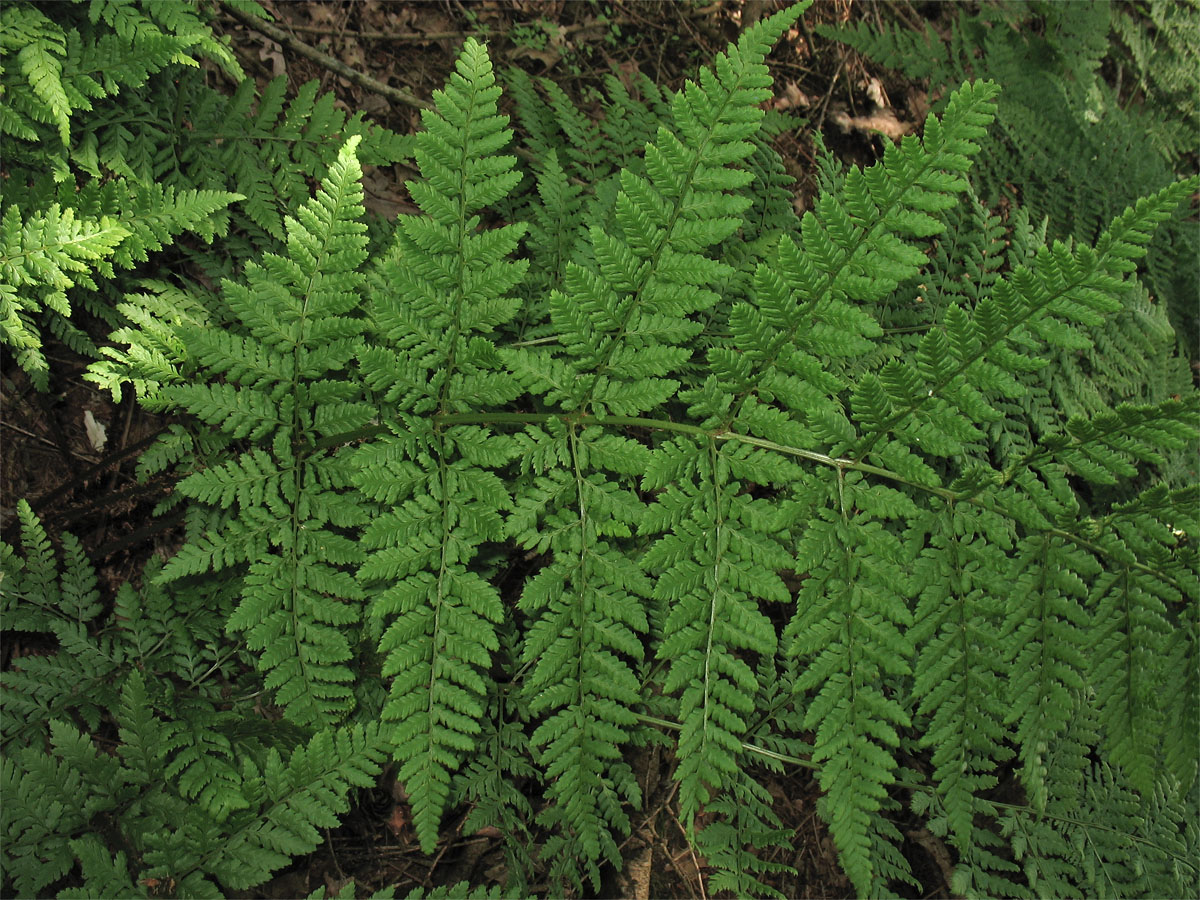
(439, 291)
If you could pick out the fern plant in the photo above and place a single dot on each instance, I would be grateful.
(1057, 109)
(61, 229)
(193, 794)
(103, 168)
(767, 491)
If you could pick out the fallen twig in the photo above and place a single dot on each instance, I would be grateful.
(308, 51)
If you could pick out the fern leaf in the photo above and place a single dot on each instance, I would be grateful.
(439, 292)
(41, 257)
(40, 61)
(847, 632)
(959, 674)
(296, 601)
(292, 799)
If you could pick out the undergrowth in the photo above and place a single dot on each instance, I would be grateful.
(601, 449)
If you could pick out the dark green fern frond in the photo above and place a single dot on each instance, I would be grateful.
(733, 843)
(1141, 603)
(959, 675)
(1163, 55)
(1072, 148)
(290, 800)
(588, 616)
(632, 118)
(1045, 633)
(931, 408)
(554, 125)
(49, 799)
(850, 631)
(286, 499)
(491, 782)
(39, 596)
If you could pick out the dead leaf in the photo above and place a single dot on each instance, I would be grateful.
(792, 98)
(884, 122)
(876, 94)
(273, 53)
(97, 434)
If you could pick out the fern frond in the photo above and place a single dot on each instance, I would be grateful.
(49, 799)
(959, 675)
(154, 352)
(716, 563)
(937, 402)
(290, 800)
(1056, 110)
(41, 258)
(40, 58)
(848, 631)
(282, 377)
(38, 596)
(622, 320)
(588, 615)
(1140, 602)
(1045, 632)
(103, 873)
(440, 291)
(747, 824)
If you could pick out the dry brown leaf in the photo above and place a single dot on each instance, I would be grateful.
(792, 98)
(883, 122)
(97, 434)
(876, 94)
(271, 52)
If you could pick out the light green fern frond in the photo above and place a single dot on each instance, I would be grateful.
(42, 256)
(438, 293)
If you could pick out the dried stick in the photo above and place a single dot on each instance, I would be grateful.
(334, 65)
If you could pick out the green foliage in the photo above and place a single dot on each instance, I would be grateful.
(1073, 147)
(103, 170)
(896, 478)
(191, 794)
(283, 500)
(62, 224)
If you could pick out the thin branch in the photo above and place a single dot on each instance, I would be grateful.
(308, 51)
(297, 46)
(403, 36)
(416, 36)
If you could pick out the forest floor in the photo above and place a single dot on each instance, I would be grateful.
(52, 454)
